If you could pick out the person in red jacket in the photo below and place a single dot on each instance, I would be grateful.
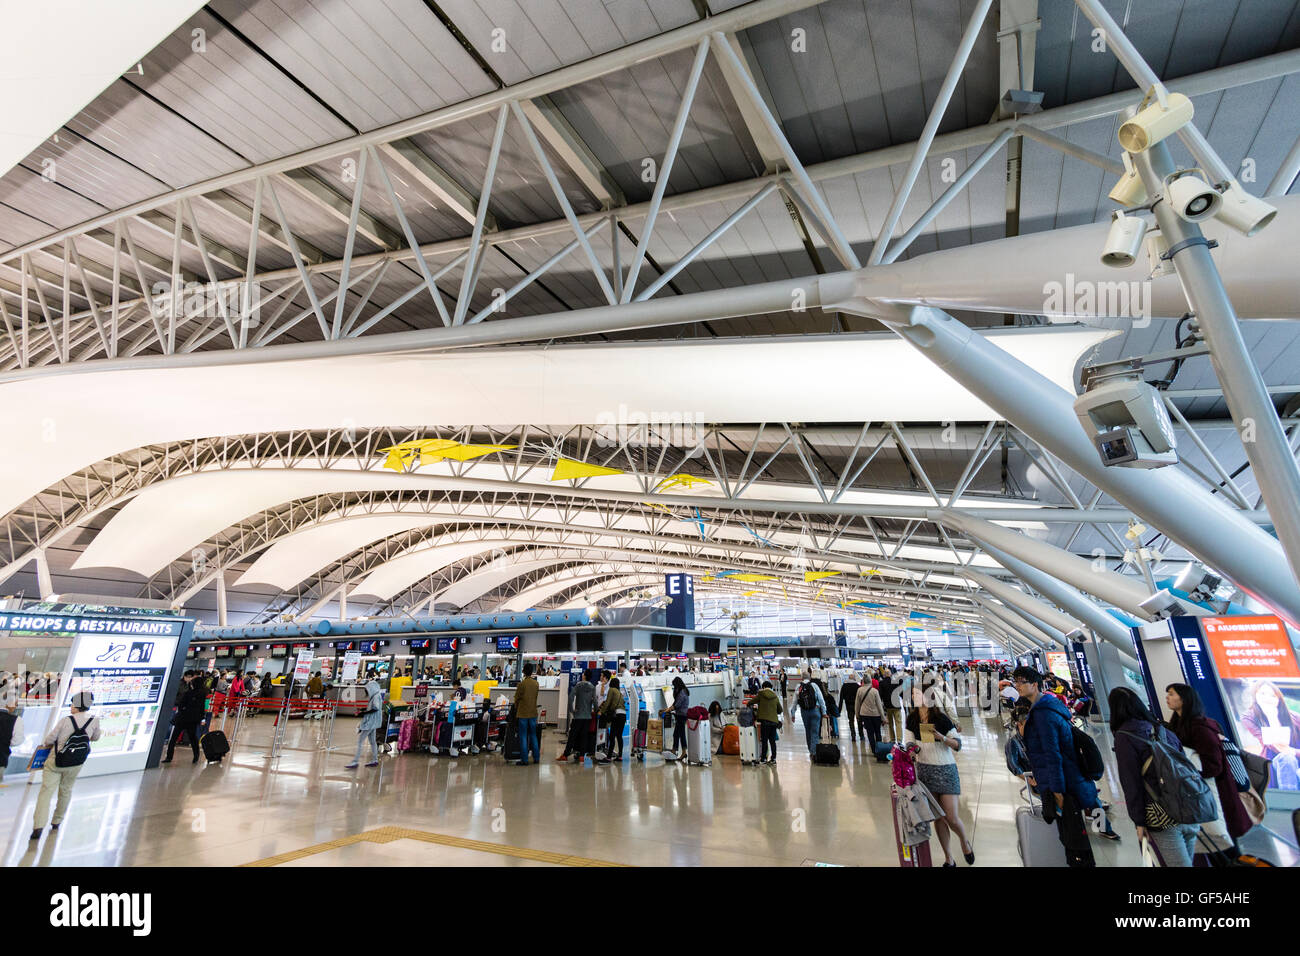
(1204, 735)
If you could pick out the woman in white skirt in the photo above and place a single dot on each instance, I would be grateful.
(935, 738)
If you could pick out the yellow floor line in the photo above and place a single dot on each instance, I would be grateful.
(389, 834)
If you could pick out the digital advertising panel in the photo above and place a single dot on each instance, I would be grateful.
(1260, 679)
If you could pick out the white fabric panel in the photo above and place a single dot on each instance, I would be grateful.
(167, 519)
(78, 419)
(394, 576)
(62, 53)
(298, 556)
(492, 576)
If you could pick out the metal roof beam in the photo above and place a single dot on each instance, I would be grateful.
(411, 162)
(573, 152)
(315, 190)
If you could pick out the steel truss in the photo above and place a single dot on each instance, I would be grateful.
(114, 321)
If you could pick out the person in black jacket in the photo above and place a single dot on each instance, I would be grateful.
(190, 699)
(848, 696)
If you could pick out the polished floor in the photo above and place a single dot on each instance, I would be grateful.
(306, 810)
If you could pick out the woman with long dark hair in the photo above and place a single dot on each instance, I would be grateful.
(1204, 735)
(1133, 727)
(681, 704)
(1273, 732)
(936, 767)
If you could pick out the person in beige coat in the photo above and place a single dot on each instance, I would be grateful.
(870, 711)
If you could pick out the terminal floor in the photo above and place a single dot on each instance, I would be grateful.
(413, 809)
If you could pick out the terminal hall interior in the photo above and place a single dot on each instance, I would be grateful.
(650, 433)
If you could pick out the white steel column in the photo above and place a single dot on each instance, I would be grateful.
(1271, 459)
(1200, 522)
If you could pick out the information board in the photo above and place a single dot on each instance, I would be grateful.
(1260, 681)
(302, 667)
(351, 665)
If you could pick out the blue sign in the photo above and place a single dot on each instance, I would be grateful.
(508, 642)
(840, 631)
(420, 643)
(680, 589)
(448, 645)
(1085, 672)
(905, 645)
(370, 647)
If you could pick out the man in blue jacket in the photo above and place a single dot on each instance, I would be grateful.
(1049, 741)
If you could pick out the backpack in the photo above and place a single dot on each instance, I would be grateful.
(807, 696)
(1087, 756)
(76, 749)
(1174, 784)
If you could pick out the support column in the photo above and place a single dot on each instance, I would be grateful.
(1110, 586)
(44, 583)
(1190, 516)
(1096, 618)
(1271, 460)
(220, 581)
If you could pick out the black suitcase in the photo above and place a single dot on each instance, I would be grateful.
(510, 749)
(826, 754)
(215, 746)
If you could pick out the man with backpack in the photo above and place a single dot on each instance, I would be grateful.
(1065, 762)
(812, 707)
(69, 746)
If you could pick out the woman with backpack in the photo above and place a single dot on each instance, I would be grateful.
(1134, 727)
(69, 746)
(1204, 735)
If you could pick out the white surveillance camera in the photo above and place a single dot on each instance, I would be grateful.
(1157, 247)
(1162, 605)
(1242, 211)
(1198, 582)
(1155, 123)
(1128, 422)
(1124, 241)
(1192, 197)
(1077, 634)
(1130, 190)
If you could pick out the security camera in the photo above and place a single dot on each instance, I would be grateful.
(1162, 605)
(1244, 212)
(1192, 197)
(1157, 247)
(1198, 582)
(1077, 634)
(1127, 421)
(1124, 241)
(1155, 122)
(1130, 190)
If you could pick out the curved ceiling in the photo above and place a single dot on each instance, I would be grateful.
(89, 416)
(168, 518)
(393, 577)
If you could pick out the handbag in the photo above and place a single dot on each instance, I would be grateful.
(1236, 766)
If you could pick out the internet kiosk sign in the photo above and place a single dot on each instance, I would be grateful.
(1261, 689)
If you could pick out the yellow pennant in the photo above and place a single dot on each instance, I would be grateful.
(566, 469)
(681, 480)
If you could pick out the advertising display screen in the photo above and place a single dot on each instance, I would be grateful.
(1058, 663)
(1260, 679)
(507, 642)
(420, 643)
(447, 645)
(370, 647)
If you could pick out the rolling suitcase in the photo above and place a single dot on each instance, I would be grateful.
(748, 744)
(215, 746)
(406, 735)
(826, 754)
(731, 739)
(699, 743)
(1037, 840)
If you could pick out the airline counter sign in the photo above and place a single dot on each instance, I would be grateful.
(1250, 646)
